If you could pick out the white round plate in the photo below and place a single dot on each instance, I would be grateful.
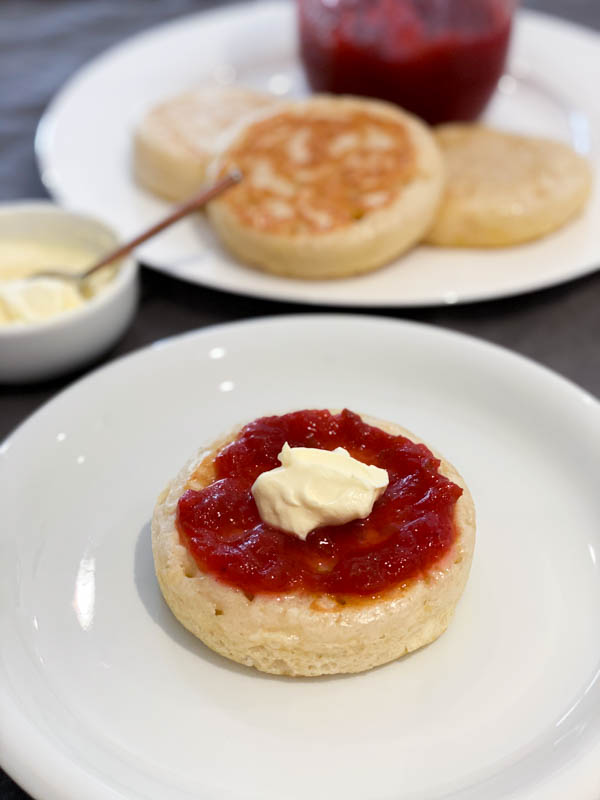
(84, 143)
(104, 695)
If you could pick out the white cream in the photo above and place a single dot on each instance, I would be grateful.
(25, 301)
(38, 300)
(315, 487)
(20, 257)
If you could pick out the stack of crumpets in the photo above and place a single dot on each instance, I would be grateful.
(335, 186)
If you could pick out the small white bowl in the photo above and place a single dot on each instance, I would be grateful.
(39, 350)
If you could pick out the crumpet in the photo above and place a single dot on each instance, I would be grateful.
(298, 631)
(333, 186)
(502, 189)
(175, 141)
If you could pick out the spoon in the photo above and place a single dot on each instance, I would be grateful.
(193, 204)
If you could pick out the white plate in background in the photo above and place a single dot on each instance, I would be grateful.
(104, 695)
(84, 141)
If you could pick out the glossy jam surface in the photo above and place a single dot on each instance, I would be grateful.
(439, 60)
(409, 530)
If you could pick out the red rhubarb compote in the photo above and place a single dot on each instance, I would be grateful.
(440, 60)
(409, 530)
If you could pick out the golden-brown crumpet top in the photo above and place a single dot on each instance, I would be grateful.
(503, 188)
(332, 186)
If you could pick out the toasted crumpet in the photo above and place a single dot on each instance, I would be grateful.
(333, 186)
(302, 633)
(502, 189)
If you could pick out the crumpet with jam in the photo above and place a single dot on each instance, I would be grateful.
(333, 186)
(346, 598)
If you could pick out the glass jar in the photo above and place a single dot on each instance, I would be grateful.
(440, 59)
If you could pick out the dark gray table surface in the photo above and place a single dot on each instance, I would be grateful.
(43, 41)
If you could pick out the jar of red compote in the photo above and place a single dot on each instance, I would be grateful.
(440, 59)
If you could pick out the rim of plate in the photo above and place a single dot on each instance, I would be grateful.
(308, 318)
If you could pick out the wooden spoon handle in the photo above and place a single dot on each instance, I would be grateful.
(193, 204)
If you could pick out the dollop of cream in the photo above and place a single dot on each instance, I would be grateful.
(315, 487)
(30, 301)
(38, 300)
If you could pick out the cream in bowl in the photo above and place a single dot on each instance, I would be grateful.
(21, 256)
(48, 325)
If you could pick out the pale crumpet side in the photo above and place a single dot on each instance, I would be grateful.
(503, 189)
(175, 140)
(333, 186)
(298, 632)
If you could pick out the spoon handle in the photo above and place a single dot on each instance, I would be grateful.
(193, 204)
